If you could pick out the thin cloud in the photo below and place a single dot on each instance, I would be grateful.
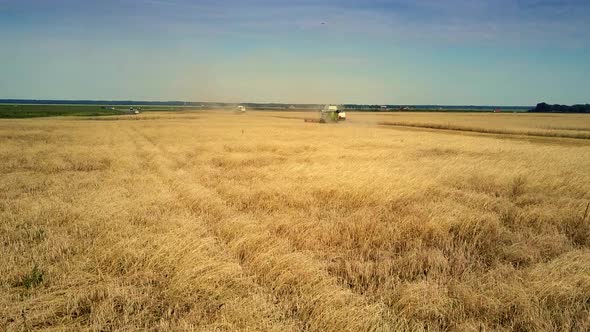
(457, 21)
(501, 22)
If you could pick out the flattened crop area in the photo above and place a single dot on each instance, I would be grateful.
(220, 221)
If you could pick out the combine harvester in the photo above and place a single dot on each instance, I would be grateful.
(330, 114)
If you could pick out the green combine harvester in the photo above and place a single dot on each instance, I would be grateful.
(329, 114)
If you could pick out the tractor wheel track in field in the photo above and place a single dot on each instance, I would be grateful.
(166, 180)
(303, 289)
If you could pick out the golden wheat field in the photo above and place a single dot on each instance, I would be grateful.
(213, 221)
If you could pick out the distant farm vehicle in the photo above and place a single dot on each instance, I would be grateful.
(132, 111)
(329, 114)
(241, 109)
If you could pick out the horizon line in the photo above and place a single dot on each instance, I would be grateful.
(177, 102)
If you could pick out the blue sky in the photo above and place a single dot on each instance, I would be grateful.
(500, 52)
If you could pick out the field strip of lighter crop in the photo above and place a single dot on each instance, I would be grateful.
(301, 285)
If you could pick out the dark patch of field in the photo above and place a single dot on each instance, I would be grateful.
(35, 111)
(21, 111)
(498, 131)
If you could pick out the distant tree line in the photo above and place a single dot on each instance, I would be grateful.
(546, 108)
